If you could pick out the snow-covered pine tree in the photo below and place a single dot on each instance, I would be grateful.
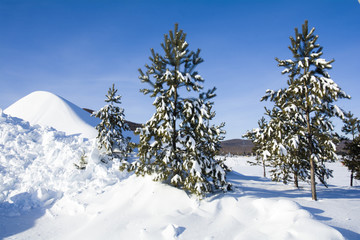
(177, 144)
(309, 102)
(351, 159)
(111, 128)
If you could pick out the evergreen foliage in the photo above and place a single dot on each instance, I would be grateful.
(112, 126)
(300, 127)
(351, 159)
(351, 125)
(178, 145)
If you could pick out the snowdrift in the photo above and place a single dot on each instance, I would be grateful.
(48, 109)
(37, 165)
(39, 184)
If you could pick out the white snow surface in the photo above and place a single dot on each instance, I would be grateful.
(47, 109)
(43, 196)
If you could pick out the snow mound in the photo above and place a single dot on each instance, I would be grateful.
(47, 109)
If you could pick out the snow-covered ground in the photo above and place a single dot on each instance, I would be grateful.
(43, 196)
(338, 206)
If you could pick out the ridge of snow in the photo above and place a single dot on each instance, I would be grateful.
(47, 109)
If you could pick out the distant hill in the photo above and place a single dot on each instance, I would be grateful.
(244, 147)
(131, 125)
(232, 146)
(236, 147)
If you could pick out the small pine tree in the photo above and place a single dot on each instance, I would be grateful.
(307, 104)
(201, 143)
(178, 145)
(284, 148)
(112, 126)
(260, 142)
(351, 125)
(82, 163)
(271, 148)
(351, 159)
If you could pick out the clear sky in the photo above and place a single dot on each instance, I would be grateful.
(77, 49)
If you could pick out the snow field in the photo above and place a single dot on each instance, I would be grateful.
(43, 196)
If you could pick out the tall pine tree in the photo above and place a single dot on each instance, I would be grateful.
(178, 145)
(307, 104)
(111, 129)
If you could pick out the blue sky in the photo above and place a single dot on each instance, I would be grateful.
(77, 49)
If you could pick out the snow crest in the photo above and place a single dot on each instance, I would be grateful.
(47, 109)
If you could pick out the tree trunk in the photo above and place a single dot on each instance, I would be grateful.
(351, 178)
(263, 162)
(312, 165)
(296, 181)
(312, 172)
(174, 135)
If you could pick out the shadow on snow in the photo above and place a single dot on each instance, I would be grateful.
(20, 215)
(247, 186)
(242, 182)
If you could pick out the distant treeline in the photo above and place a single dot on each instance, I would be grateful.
(244, 147)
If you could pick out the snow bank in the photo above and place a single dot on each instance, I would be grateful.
(48, 109)
(37, 166)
